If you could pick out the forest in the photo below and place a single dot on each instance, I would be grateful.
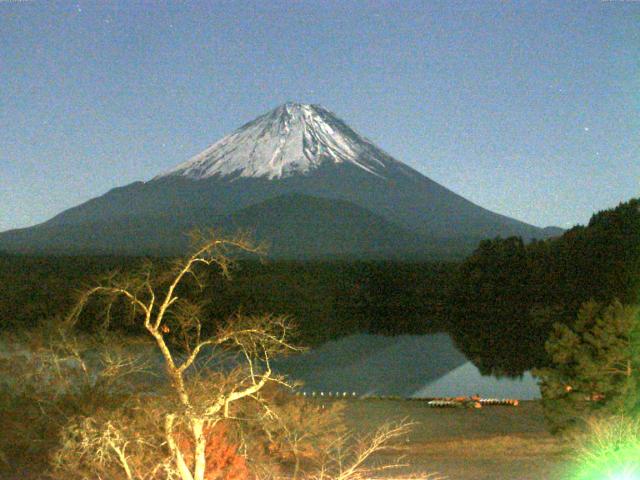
(499, 304)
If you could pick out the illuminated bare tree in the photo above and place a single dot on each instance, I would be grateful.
(181, 434)
(351, 458)
(172, 320)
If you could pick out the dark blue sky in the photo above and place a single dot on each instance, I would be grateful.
(530, 109)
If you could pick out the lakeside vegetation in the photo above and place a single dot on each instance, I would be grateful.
(499, 304)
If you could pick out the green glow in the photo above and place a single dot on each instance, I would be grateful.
(607, 448)
(620, 462)
(625, 476)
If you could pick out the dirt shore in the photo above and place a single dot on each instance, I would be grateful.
(492, 443)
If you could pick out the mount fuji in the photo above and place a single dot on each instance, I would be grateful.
(298, 177)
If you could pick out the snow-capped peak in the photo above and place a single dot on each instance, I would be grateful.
(291, 139)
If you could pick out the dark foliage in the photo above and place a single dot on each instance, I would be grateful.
(490, 308)
(327, 299)
(507, 296)
(595, 366)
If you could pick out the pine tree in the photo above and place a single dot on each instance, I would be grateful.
(595, 365)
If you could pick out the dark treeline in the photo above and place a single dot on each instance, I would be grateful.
(506, 296)
(326, 299)
(499, 304)
(34, 289)
(332, 299)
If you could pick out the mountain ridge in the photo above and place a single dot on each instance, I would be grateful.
(295, 226)
(292, 150)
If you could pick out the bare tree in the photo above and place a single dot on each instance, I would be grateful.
(49, 377)
(169, 431)
(351, 459)
(299, 431)
(170, 319)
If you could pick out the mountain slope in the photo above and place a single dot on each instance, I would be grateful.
(310, 227)
(292, 150)
(293, 226)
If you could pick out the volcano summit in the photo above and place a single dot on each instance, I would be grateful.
(299, 178)
(292, 139)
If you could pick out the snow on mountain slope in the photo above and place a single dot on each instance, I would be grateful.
(292, 139)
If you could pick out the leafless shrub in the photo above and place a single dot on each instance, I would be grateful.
(351, 458)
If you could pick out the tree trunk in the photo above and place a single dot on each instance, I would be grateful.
(178, 458)
(296, 468)
(199, 451)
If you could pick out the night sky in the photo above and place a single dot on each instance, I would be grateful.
(530, 109)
